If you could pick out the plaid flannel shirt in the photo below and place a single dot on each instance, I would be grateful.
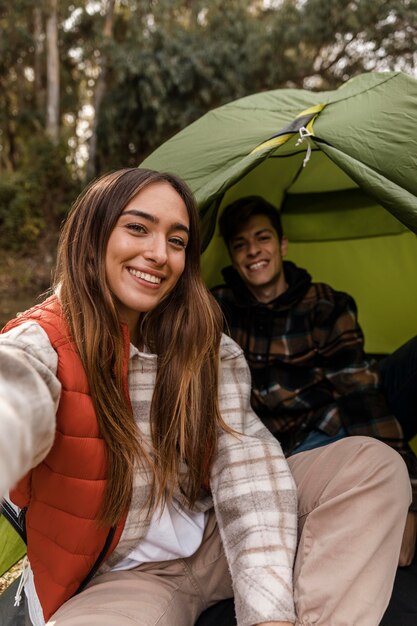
(306, 355)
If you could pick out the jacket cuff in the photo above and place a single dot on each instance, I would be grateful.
(263, 594)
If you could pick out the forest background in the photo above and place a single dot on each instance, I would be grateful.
(91, 86)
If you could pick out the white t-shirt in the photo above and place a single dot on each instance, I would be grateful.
(174, 534)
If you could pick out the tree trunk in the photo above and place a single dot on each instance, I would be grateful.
(52, 72)
(37, 36)
(100, 91)
(10, 135)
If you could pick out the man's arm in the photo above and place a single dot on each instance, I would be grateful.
(358, 398)
(361, 404)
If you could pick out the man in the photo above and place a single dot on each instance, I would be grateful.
(311, 381)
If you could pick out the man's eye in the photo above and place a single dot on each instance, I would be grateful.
(237, 246)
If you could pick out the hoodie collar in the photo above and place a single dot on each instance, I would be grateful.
(298, 280)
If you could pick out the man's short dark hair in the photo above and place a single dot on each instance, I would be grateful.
(239, 212)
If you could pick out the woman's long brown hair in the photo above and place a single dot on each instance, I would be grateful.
(184, 330)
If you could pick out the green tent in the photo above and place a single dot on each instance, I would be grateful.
(12, 547)
(341, 166)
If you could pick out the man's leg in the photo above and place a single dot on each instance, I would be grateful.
(317, 438)
(353, 500)
(221, 614)
(399, 383)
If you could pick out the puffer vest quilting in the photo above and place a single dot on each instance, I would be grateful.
(64, 493)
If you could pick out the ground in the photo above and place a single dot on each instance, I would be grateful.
(25, 273)
(10, 576)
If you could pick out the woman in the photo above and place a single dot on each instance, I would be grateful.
(152, 489)
(126, 422)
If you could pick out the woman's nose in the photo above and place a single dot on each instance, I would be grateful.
(157, 250)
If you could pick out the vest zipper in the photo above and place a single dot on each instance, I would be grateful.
(99, 560)
(17, 520)
(22, 582)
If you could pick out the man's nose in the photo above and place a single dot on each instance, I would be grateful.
(157, 250)
(253, 248)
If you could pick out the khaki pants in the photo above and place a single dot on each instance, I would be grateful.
(353, 500)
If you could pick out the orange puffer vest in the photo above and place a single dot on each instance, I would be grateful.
(64, 493)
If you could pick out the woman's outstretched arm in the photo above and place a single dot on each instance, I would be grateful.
(29, 393)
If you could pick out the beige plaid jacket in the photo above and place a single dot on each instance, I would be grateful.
(253, 493)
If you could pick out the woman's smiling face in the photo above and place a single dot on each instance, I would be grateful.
(145, 254)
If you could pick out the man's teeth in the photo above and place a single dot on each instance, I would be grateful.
(144, 276)
(257, 266)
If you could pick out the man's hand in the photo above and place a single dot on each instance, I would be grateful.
(408, 546)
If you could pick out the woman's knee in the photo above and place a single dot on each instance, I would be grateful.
(382, 466)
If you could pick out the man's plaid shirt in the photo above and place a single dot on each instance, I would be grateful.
(306, 355)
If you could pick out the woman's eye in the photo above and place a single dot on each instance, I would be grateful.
(136, 228)
(177, 241)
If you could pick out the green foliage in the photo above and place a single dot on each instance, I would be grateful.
(34, 200)
(165, 63)
(162, 78)
(18, 228)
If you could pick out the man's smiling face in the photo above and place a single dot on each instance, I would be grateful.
(257, 255)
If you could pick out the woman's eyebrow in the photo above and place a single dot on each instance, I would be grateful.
(146, 216)
(180, 226)
(155, 220)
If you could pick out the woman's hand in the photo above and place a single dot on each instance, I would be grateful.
(275, 624)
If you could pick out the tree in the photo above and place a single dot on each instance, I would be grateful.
(172, 61)
(16, 102)
(325, 42)
(130, 74)
(37, 57)
(52, 60)
(100, 87)
(37, 185)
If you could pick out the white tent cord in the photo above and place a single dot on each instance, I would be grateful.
(304, 136)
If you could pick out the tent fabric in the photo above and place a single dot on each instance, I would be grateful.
(12, 548)
(369, 120)
(340, 165)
